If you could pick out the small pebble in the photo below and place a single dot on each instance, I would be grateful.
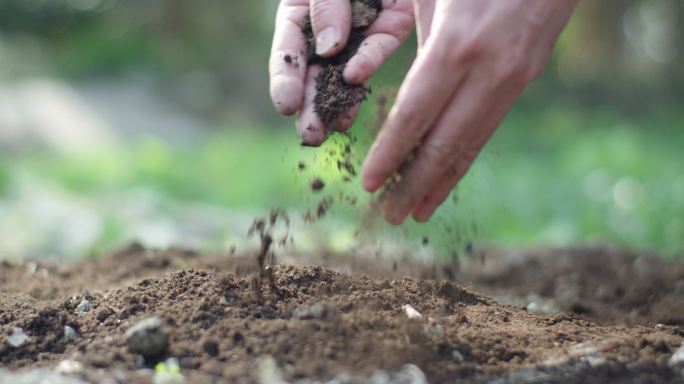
(83, 307)
(69, 367)
(69, 332)
(316, 311)
(409, 374)
(268, 371)
(677, 359)
(17, 338)
(149, 338)
(434, 331)
(411, 312)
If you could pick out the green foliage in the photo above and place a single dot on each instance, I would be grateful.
(4, 178)
(104, 51)
(539, 179)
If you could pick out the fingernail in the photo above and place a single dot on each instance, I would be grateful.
(371, 184)
(327, 40)
(395, 218)
(311, 136)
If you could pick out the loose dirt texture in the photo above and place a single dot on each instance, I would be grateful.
(334, 97)
(608, 285)
(317, 323)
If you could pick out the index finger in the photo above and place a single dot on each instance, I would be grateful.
(429, 85)
(287, 65)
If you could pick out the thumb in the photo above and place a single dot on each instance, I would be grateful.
(331, 24)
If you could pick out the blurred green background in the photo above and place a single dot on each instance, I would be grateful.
(124, 120)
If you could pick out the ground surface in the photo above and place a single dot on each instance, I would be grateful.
(316, 323)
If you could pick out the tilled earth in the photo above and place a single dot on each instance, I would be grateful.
(577, 316)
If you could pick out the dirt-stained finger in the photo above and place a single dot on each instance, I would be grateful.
(312, 131)
(287, 64)
(372, 53)
(331, 23)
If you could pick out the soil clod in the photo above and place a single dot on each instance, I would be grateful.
(317, 184)
(334, 96)
(149, 338)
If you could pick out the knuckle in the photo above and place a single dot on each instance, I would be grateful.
(411, 120)
(366, 62)
(511, 69)
(437, 197)
(461, 48)
(439, 153)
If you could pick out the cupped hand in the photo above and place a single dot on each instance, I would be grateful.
(292, 80)
(475, 58)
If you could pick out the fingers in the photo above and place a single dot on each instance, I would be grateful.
(287, 65)
(312, 131)
(331, 23)
(440, 192)
(448, 148)
(424, 211)
(429, 85)
(374, 50)
(384, 36)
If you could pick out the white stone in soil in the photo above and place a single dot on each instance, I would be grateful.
(411, 312)
(69, 332)
(677, 359)
(17, 338)
(83, 307)
(37, 376)
(69, 367)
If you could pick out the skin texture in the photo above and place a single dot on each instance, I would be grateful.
(475, 58)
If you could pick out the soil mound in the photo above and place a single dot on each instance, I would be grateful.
(607, 285)
(308, 321)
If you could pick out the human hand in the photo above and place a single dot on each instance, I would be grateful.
(475, 58)
(292, 84)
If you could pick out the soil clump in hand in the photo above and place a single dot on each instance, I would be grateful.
(334, 97)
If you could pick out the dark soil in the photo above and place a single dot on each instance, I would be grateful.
(316, 323)
(608, 285)
(334, 97)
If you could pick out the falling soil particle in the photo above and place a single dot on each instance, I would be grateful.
(324, 206)
(317, 184)
(335, 97)
(321, 323)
